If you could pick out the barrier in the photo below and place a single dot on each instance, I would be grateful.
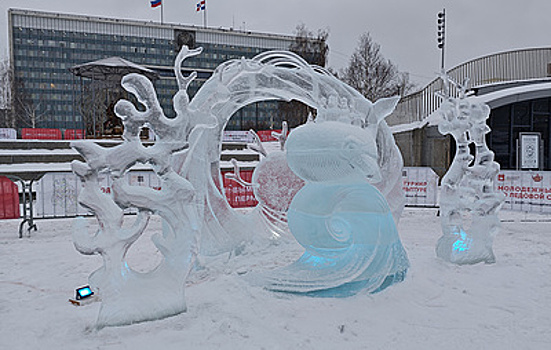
(237, 136)
(420, 185)
(8, 134)
(73, 134)
(527, 191)
(40, 134)
(9, 199)
(237, 195)
(57, 193)
(266, 135)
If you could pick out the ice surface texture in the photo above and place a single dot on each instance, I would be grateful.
(343, 222)
(468, 203)
(197, 217)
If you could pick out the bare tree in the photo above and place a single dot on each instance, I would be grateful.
(373, 75)
(312, 47)
(26, 112)
(6, 78)
(19, 108)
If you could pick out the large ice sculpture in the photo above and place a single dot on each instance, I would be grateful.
(344, 223)
(468, 203)
(197, 217)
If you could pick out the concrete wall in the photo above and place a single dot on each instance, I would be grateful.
(425, 147)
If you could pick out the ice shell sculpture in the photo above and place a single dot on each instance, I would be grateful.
(343, 222)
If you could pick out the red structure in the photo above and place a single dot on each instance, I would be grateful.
(9, 199)
(266, 135)
(237, 195)
(73, 134)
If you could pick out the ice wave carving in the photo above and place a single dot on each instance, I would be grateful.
(197, 217)
(344, 223)
(468, 203)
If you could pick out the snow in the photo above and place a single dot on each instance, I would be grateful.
(519, 90)
(506, 305)
(396, 129)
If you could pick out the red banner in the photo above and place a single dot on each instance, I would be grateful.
(239, 196)
(266, 135)
(73, 134)
(9, 199)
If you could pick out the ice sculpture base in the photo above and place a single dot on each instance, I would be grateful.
(469, 246)
(140, 300)
(351, 243)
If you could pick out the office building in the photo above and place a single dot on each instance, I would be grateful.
(43, 46)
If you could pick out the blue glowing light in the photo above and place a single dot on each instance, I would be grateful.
(463, 243)
(84, 292)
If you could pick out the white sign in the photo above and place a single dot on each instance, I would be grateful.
(237, 136)
(527, 191)
(57, 193)
(8, 133)
(420, 186)
(529, 150)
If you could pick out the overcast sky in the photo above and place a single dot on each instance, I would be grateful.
(405, 29)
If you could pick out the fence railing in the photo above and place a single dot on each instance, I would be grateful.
(500, 67)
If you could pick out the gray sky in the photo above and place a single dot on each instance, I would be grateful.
(405, 29)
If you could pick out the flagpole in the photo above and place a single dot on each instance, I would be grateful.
(162, 13)
(205, 15)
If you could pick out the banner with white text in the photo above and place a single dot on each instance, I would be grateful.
(420, 186)
(527, 191)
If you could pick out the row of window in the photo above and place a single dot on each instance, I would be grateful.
(507, 122)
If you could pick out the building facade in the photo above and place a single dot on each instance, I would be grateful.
(515, 84)
(43, 46)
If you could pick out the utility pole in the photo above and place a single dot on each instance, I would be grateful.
(442, 33)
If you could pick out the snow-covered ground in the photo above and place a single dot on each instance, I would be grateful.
(506, 305)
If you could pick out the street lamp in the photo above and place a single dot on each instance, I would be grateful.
(442, 32)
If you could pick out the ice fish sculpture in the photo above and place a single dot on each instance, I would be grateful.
(344, 223)
(468, 203)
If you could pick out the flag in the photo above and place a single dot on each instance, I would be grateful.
(201, 5)
(155, 3)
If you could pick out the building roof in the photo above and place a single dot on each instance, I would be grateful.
(111, 69)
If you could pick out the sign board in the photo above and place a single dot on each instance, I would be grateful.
(9, 199)
(57, 193)
(73, 134)
(266, 135)
(529, 150)
(40, 134)
(239, 196)
(527, 191)
(420, 185)
(8, 134)
(237, 136)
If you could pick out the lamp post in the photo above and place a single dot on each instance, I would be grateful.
(442, 33)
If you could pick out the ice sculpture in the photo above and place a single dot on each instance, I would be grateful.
(274, 185)
(468, 203)
(197, 217)
(344, 223)
(274, 75)
(129, 296)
